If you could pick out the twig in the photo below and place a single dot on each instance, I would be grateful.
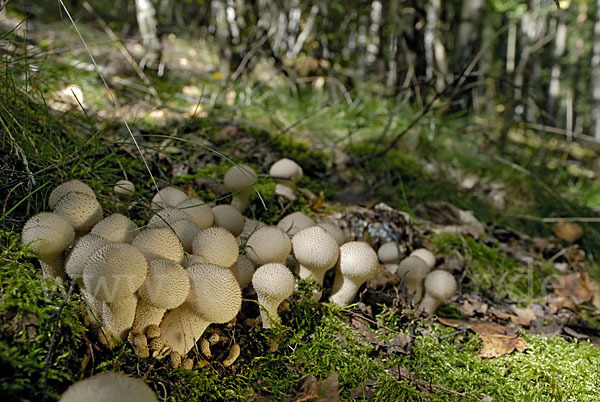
(53, 339)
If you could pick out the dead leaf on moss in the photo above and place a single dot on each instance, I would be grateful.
(523, 316)
(567, 231)
(574, 289)
(479, 327)
(495, 345)
(320, 390)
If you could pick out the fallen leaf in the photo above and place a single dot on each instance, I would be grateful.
(320, 390)
(479, 327)
(567, 231)
(495, 345)
(524, 316)
(574, 287)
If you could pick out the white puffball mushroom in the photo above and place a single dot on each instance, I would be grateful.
(47, 233)
(425, 255)
(228, 217)
(294, 222)
(82, 210)
(109, 386)
(166, 217)
(243, 269)
(198, 211)
(439, 286)
(250, 226)
(413, 271)
(268, 244)
(389, 256)
(286, 168)
(239, 179)
(116, 228)
(65, 188)
(168, 197)
(114, 271)
(81, 251)
(217, 246)
(118, 316)
(124, 188)
(159, 243)
(316, 251)
(336, 232)
(273, 283)
(357, 264)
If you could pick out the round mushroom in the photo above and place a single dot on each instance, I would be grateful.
(168, 197)
(82, 210)
(81, 251)
(439, 286)
(159, 243)
(273, 283)
(389, 254)
(124, 188)
(243, 269)
(413, 271)
(198, 212)
(109, 386)
(228, 217)
(286, 168)
(357, 264)
(336, 232)
(216, 246)
(239, 179)
(116, 228)
(294, 222)
(65, 188)
(268, 244)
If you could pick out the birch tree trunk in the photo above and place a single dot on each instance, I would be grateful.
(596, 75)
(559, 50)
(435, 52)
(146, 19)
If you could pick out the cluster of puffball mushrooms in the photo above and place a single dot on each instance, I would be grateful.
(161, 287)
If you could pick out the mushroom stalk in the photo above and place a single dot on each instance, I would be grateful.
(181, 328)
(429, 304)
(345, 292)
(268, 310)
(145, 315)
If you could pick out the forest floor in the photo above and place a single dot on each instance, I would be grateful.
(514, 220)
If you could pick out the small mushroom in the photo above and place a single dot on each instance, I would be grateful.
(357, 264)
(228, 217)
(175, 359)
(187, 363)
(413, 271)
(140, 344)
(81, 251)
(159, 243)
(336, 232)
(109, 386)
(198, 212)
(439, 286)
(205, 348)
(152, 331)
(168, 197)
(286, 168)
(389, 254)
(268, 244)
(82, 210)
(239, 179)
(317, 252)
(117, 316)
(216, 246)
(243, 269)
(124, 188)
(116, 228)
(234, 353)
(250, 226)
(273, 283)
(65, 188)
(294, 222)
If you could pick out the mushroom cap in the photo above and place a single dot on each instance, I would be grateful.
(159, 243)
(186, 231)
(47, 233)
(388, 253)
(67, 187)
(167, 284)
(124, 187)
(274, 281)
(294, 222)
(109, 386)
(81, 251)
(425, 255)
(215, 294)
(216, 246)
(228, 217)
(243, 269)
(82, 210)
(239, 177)
(198, 212)
(315, 249)
(168, 197)
(440, 284)
(413, 268)
(287, 168)
(116, 228)
(166, 217)
(114, 272)
(268, 244)
(335, 231)
(358, 261)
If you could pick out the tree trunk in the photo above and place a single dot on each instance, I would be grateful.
(596, 76)
(435, 53)
(146, 18)
(559, 51)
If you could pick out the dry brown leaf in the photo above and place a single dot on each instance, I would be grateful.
(524, 316)
(567, 231)
(320, 390)
(479, 327)
(574, 287)
(495, 345)
(364, 331)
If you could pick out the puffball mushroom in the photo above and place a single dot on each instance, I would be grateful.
(316, 251)
(228, 217)
(168, 197)
(166, 217)
(273, 283)
(81, 251)
(124, 188)
(114, 271)
(198, 212)
(336, 232)
(389, 256)
(250, 226)
(239, 180)
(82, 210)
(439, 286)
(109, 386)
(286, 168)
(294, 222)
(166, 286)
(116, 228)
(214, 297)
(48, 234)
(118, 316)
(413, 271)
(216, 246)
(243, 269)
(159, 243)
(268, 244)
(357, 264)
(65, 188)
